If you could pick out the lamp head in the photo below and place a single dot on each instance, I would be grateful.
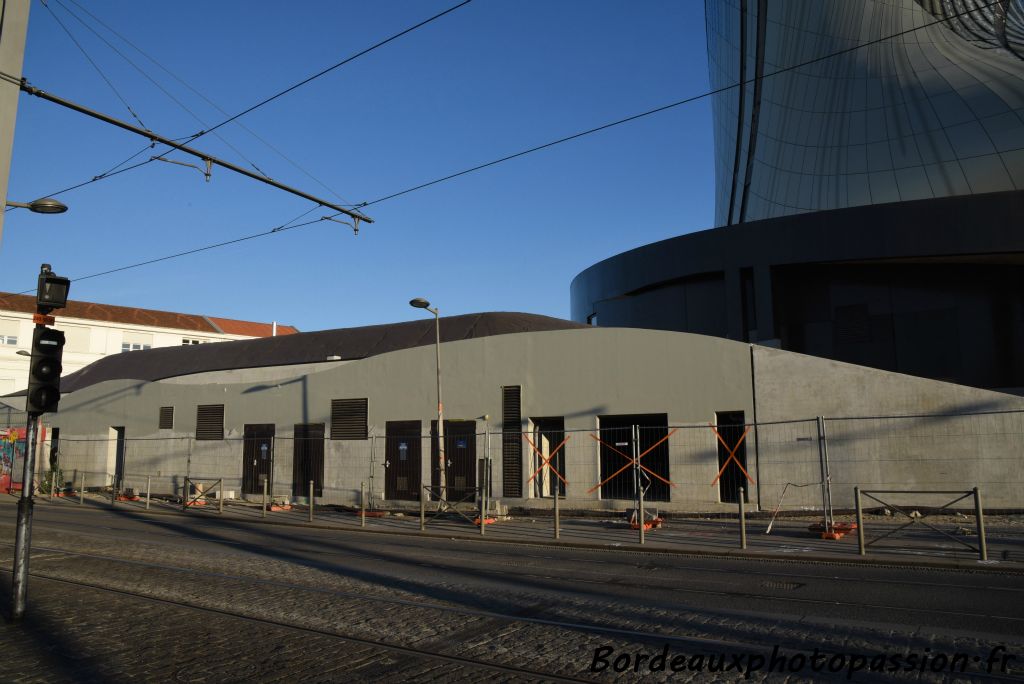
(419, 303)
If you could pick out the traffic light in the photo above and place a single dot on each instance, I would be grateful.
(52, 291)
(44, 370)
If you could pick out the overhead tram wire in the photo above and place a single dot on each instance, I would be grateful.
(198, 93)
(663, 108)
(534, 149)
(230, 119)
(158, 86)
(95, 66)
(331, 68)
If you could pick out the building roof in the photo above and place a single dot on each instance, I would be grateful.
(233, 327)
(308, 347)
(149, 317)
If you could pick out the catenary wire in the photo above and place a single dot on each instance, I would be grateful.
(158, 86)
(537, 148)
(671, 105)
(95, 66)
(200, 94)
(281, 93)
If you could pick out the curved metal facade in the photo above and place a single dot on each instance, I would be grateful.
(933, 112)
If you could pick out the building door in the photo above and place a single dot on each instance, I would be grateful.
(119, 447)
(548, 434)
(257, 457)
(308, 459)
(460, 455)
(402, 459)
(730, 426)
(617, 451)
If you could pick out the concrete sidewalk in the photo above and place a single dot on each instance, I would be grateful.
(789, 539)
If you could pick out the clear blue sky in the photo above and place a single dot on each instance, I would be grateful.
(490, 79)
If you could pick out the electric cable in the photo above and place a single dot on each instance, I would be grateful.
(95, 66)
(525, 152)
(671, 105)
(202, 96)
(160, 87)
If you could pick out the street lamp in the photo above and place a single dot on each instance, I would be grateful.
(442, 479)
(46, 205)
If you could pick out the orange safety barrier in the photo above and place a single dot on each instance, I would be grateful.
(547, 461)
(632, 461)
(732, 454)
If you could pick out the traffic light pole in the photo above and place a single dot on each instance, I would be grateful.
(23, 532)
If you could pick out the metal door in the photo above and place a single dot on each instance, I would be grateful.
(308, 459)
(617, 451)
(730, 428)
(460, 457)
(257, 457)
(402, 458)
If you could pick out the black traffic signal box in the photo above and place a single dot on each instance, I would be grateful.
(44, 370)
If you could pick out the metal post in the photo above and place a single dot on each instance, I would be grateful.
(23, 533)
(149, 487)
(743, 519)
(220, 497)
(821, 468)
(442, 476)
(979, 516)
(81, 492)
(423, 510)
(311, 501)
(828, 474)
(362, 504)
(113, 490)
(557, 520)
(263, 513)
(860, 522)
(638, 483)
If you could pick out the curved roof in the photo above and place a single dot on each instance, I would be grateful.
(309, 347)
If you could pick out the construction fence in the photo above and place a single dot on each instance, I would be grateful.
(800, 465)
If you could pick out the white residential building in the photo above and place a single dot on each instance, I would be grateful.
(93, 331)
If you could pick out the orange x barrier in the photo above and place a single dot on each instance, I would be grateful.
(632, 461)
(732, 454)
(547, 461)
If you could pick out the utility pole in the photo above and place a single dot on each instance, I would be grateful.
(13, 27)
(43, 397)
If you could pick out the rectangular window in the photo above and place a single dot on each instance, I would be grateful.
(134, 346)
(348, 419)
(135, 341)
(210, 421)
(190, 340)
(166, 418)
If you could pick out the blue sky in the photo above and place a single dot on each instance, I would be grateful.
(490, 79)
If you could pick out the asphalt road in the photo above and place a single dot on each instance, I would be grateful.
(559, 611)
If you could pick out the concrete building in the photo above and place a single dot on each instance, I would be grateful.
(868, 204)
(345, 407)
(93, 331)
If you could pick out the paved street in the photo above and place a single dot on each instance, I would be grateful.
(201, 597)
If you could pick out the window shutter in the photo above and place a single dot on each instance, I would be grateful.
(511, 441)
(166, 417)
(348, 419)
(210, 421)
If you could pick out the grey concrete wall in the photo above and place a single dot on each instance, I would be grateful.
(581, 375)
(884, 431)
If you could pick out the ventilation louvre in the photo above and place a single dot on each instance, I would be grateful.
(166, 418)
(210, 421)
(511, 441)
(348, 419)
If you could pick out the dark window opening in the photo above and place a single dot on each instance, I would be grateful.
(548, 437)
(730, 426)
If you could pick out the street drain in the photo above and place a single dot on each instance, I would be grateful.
(780, 585)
